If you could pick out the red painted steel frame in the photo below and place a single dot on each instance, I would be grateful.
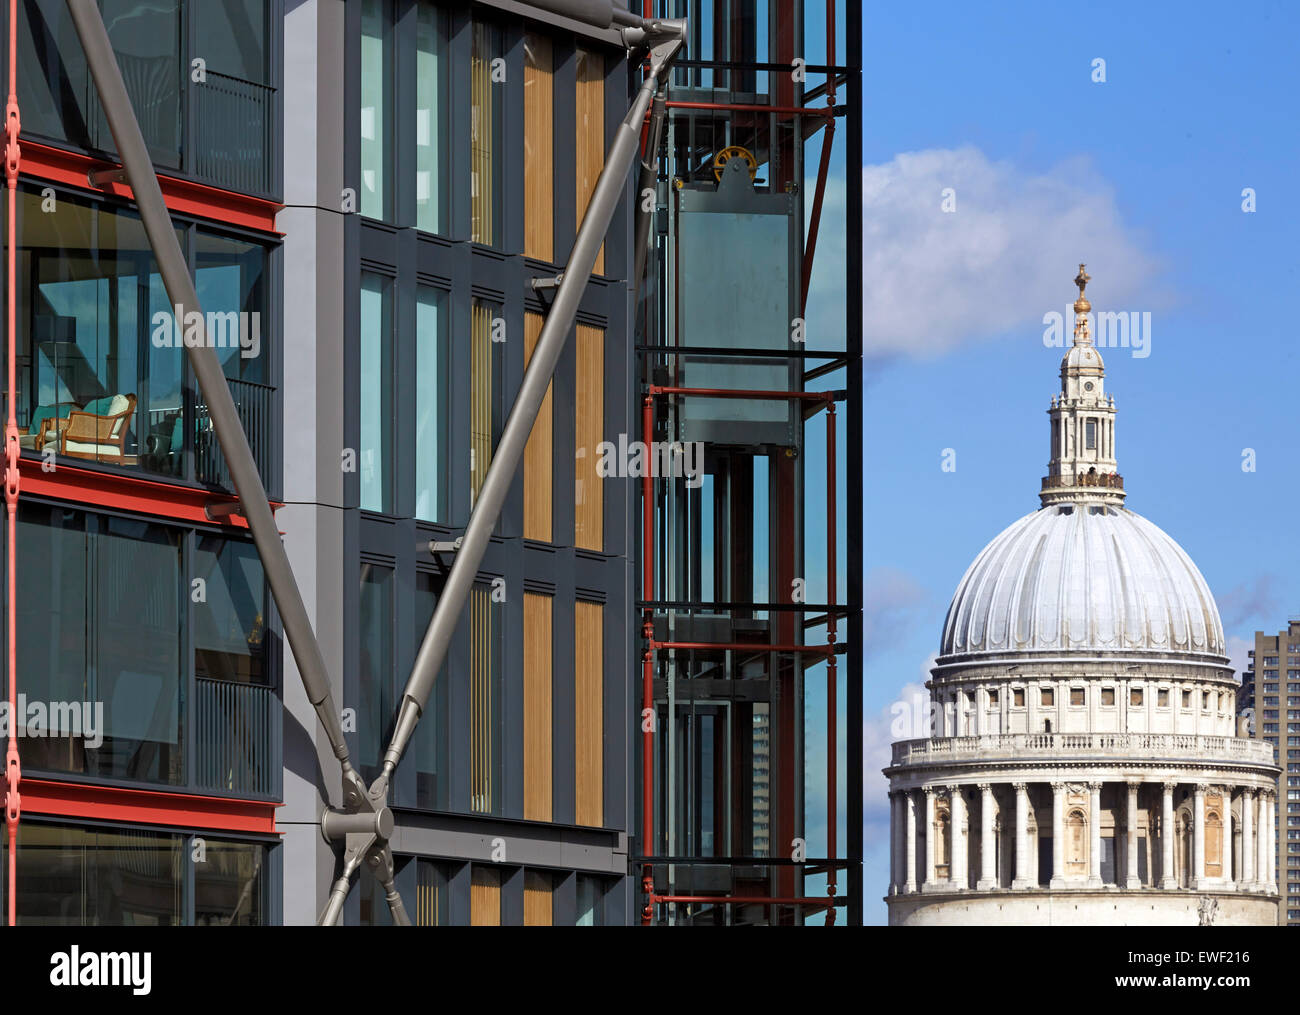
(151, 807)
(186, 197)
(647, 676)
(13, 770)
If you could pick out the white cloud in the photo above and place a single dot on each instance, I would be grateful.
(933, 280)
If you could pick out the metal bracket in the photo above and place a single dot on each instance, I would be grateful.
(101, 178)
(543, 282)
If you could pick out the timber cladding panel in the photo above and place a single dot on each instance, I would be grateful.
(539, 148)
(538, 891)
(590, 140)
(538, 452)
(537, 707)
(589, 729)
(589, 432)
(485, 897)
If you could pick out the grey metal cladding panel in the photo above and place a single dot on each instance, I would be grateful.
(526, 844)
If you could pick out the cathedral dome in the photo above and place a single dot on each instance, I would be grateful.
(1083, 578)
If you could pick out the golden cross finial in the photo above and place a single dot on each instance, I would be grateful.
(1082, 279)
(1081, 305)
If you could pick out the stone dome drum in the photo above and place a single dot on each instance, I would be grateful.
(1083, 578)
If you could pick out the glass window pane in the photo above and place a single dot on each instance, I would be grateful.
(99, 644)
(230, 621)
(591, 901)
(375, 714)
(376, 108)
(91, 877)
(376, 394)
(432, 735)
(430, 117)
(230, 885)
(430, 406)
(232, 37)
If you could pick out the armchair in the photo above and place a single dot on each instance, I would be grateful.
(98, 432)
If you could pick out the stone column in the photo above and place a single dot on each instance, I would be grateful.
(1131, 838)
(957, 817)
(909, 859)
(1167, 836)
(988, 851)
(1247, 839)
(1094, 835)
(928, 883)
(895, 848)
(1261, 838)
(981, 710)
(1270, 827)
(1058, 835)
(1022, 879)
(1198, 837)
(1225, 850)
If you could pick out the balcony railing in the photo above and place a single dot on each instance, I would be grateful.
(253, 404)
(1110, 480)
(236, 747)
(233, 122)
(1105, 746)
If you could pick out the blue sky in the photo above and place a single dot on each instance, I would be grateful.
(1141, 177)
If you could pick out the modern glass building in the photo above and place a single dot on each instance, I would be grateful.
(650, 709)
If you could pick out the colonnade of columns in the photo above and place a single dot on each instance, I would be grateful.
(1258, 838)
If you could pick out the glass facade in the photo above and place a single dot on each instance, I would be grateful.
(109, 607)
(103, 371)
(430, 404)
(376, 109)
(216, 123)
(377, 436)
(102, 876)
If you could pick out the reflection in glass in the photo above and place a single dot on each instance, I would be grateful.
(376, 200)
(375, 671)
(70, 877)
(99, 627)
(230, 885)
(430, 117)
(430, 406)
(376, 394)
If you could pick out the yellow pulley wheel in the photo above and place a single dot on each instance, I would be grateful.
(734, 152)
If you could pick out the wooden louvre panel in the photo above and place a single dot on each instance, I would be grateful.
(537, 899)
(538, 453)
(482, 731)
(480, 370)
(426, 896)
(589, 723)
(589, 506)
(482, 110)
(590, 150)
(539, 149)
(484, 897)
(537, 707)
